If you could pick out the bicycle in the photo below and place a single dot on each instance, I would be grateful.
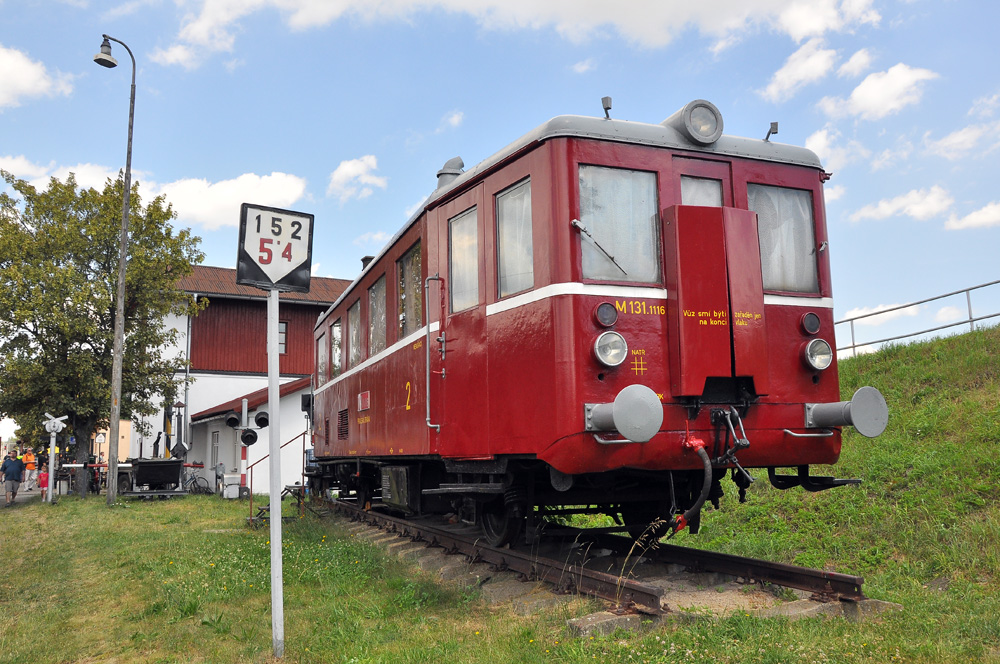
(196, 484)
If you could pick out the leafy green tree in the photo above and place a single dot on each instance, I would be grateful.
(58, 280)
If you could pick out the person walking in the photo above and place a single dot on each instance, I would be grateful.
(30, 472)
(12, 470)
(43, 481)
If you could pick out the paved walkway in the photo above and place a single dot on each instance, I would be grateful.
(33, 496)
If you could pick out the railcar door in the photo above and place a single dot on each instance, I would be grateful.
(713, 265)
(462, 406)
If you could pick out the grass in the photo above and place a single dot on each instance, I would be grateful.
(183, 581)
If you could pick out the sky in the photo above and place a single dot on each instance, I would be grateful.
(346, 109)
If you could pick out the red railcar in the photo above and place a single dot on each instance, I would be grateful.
(604, 315)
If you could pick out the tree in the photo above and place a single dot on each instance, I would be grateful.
(58, 280)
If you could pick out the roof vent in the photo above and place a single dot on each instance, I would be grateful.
(451, 170)
(365, 260)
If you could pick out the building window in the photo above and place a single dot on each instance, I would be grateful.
(376, 317)
(619, 208)
(411, 310)
(787, 235)
(354, 330)
(282, 337)
(335, 359)
(515, 262)
(463, 260)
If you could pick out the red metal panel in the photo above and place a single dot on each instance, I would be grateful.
(699, 299)
(746, 297)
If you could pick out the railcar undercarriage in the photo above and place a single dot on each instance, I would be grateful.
(514, 497)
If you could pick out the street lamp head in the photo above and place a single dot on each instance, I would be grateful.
(104, 57)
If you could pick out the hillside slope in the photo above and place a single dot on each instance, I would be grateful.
(923, 528)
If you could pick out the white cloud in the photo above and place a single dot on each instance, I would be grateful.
(87, 175)
(948, 315)
(177, 54)
(959, 144)
(920, 204)
(196, 201)
(834, 192)
(646, 23)
(583, 66)
(881, 94)
(825, 143)
(23, 78)
(452, 120)
(37, 175)
(7, 429)
(809, 18)
(856, 65)
(353, 179)
(985, 107)
(881, 319)
(378, 238)
(216, 205)
(981, 218)
(891, 156)
(21, 167)
(807, 65)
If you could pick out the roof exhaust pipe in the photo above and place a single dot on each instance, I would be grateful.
(450, 171)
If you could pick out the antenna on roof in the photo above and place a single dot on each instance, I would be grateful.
(606, 103)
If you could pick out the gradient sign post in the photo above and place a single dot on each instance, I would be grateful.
(275, 254)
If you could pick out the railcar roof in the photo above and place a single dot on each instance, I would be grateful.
(606, 129)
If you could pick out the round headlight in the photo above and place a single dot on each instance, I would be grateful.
(605, 314)
(810, 323)
(818, 354)
(700, 121)
(610, 349)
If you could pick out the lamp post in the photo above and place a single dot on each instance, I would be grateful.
(105, 60)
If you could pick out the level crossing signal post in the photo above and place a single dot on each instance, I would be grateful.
(275, 254)
(54, 425)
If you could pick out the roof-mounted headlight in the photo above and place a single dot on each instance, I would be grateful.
(610, 349)
(818, 354)
(699, 121)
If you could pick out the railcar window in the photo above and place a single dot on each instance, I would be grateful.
(514, 244)
(354, 330)
(411, 309)
(620, 209)
(463, 260)
(376, 317)
(321, 359)
(787, 237)
(701, 191)
(335, 343)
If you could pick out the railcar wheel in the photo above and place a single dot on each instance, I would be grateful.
(501, 523)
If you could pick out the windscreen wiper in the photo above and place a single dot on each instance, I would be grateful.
(578, 225)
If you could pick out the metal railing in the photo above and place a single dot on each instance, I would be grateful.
(305, 439)
(970, 321)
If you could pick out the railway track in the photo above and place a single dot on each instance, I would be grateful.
(569, 562)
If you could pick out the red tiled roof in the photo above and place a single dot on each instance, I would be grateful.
(254, 400)
(206, 280)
